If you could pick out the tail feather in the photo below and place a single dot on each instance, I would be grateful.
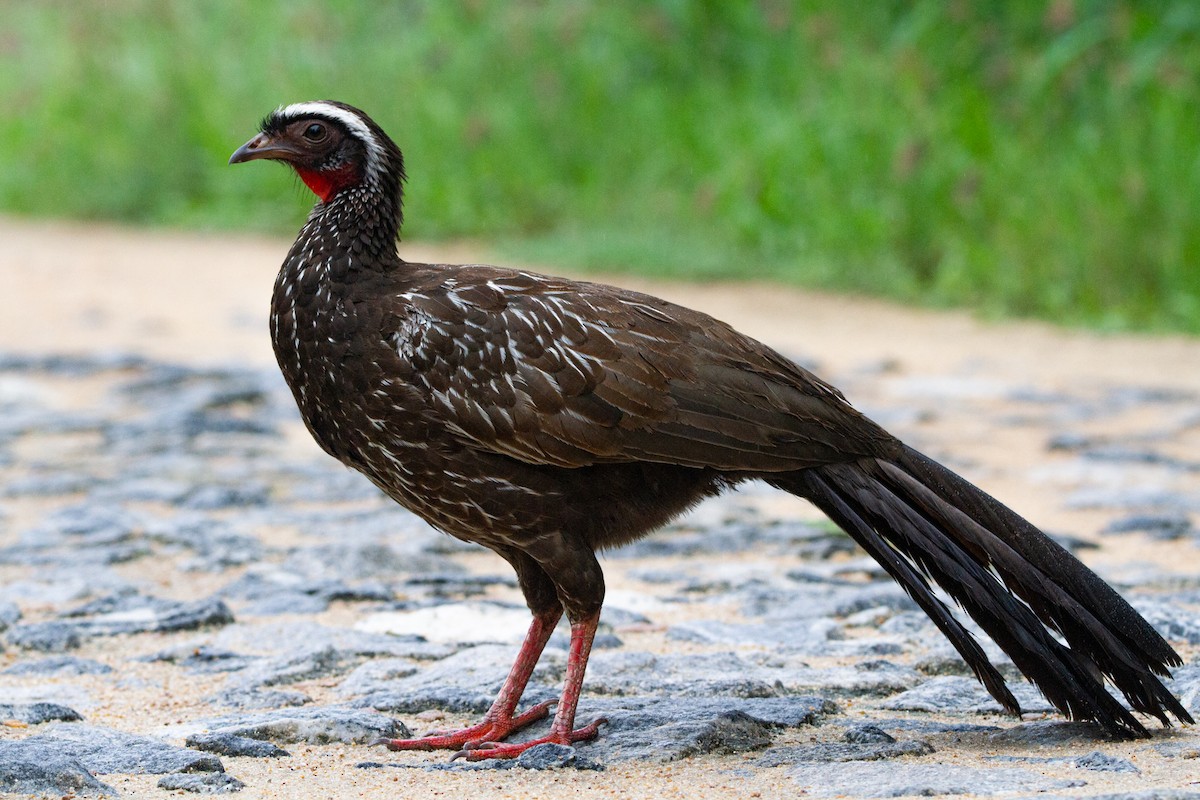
(914, 582)
(922, 522)
(1037, 548)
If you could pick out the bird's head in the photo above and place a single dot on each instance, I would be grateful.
(331, 146)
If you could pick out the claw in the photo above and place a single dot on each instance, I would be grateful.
(483, 740)
(478, 751)
(485, 734)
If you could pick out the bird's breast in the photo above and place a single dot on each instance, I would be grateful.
(319, 342)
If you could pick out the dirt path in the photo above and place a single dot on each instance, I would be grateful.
(944, 379)
(202, 298)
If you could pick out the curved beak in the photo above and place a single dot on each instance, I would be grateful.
(262, 146)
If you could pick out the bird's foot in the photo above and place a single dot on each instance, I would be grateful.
(478, 751)
(486, 732)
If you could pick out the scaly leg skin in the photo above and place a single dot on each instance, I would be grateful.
(499, 721)
(562, 730)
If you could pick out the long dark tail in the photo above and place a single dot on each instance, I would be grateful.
(921, 521)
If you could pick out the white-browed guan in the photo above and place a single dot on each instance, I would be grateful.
(546, 418)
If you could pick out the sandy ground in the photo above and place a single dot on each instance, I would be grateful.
(202, 299)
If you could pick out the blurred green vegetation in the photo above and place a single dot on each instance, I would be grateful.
(1029, 158)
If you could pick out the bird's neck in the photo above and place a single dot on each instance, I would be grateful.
(346, 249)
(354, 231)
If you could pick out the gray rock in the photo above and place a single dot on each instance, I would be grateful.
(247, 697)
(315, 725)
(323, 485)
(544, 756)
(229, 745)
(691, 675)
(374, 676)
(1176, 624)
(942, 664)
(453, 585)
(1188, 750)
(1166, 526)
(71, 366)
(47, 637)
(867, 734)
(212, 498)
(827, 752)
(814, 596)
(142, 489)
(92, 523)
(687, 538)
(1072, 544)
(56, 692)
(48, 485)
(1101, 762)
(280, 637)
(667, 729)
(554, 756)
(303, 665)
(812, 637)
(63, 582)
(874, 779)
(286, 602)
(465, 682)
(38, 770)
(105, 750)
(272, 590)
(963, 696)
(928, 727)
(10, 614)
(602, 641)
(217, 544)
(806, 636)
(37, 713)
(868, 678)
(1132, 499)
(1121, 454)
(201, 783)
(132, 613)
(730, 732)
(59, 665)
(202, 658)
(1047, 732)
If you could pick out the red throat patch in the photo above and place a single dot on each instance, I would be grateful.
(323, 184)
(328, 182)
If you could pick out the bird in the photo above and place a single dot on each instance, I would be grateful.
(547, 419)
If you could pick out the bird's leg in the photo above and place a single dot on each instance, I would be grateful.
(562, 730)
(500, 721)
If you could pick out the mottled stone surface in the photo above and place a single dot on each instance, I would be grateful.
(174, 564)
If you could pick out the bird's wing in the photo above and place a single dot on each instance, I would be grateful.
(570, 374)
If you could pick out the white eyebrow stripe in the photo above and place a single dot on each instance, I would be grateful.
(352, 122)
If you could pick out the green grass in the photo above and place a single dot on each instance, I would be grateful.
(1019, 158)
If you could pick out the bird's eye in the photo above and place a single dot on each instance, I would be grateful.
(315, 132)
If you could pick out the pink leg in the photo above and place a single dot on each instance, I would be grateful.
(499, 721)
(562, 730)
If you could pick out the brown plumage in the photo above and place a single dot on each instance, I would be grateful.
(546, 418)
